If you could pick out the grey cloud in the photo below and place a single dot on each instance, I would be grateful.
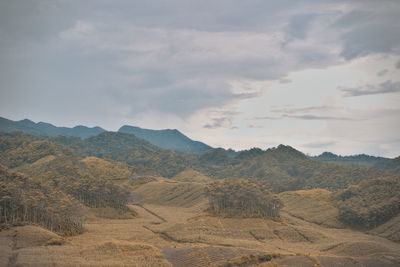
(304, 109)
(320, 144)
(316, 117)
(383, 88)
(303, 117)
(382, 72)
(265, 118)
(255, 126)
(370, 27)
(223, 122)
(322, 112)
(102, 58)
(182, 99)
(298, 26)
(284, 81)
(398, 65)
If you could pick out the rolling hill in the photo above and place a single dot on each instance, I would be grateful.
(284, 168)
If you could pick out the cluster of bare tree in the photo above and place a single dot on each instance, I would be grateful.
(24, 200)
(236, 197)
(95, 192)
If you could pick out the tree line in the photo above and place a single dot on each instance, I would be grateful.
(242, 198)
(73, 177)
(24, 200)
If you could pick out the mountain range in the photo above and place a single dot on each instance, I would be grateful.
(362, 160)
(176, 141)
(47, 129)
(167, 139)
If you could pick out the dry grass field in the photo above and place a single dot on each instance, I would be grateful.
(190, 175)
(389, 230)
(312, 206)
(168, 226)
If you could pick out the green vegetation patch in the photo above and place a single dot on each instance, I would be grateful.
(369, 203)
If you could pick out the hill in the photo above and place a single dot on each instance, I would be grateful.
(18, 148)
(77, 178)
(126, 148)
(168, 139)
(177, 194)
(190, 175)
(389, 230)
(284, 168)
(313, 205)
(91, 181)
(47, 129)
(370, 203)
(365, 161)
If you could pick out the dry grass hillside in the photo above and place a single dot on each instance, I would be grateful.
(105, 169)
(190, 175)
(172, 228)
(313, 206)
(172, 193)
(389, 230)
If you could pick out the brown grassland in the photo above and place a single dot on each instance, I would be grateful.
(167, 224)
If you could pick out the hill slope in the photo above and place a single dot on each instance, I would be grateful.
(126, 148)
(168, 139)
(284, 168)
(25, 200)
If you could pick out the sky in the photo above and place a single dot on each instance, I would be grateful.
(319, 75)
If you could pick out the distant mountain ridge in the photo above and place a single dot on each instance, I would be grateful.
(178, 142)
(168, 139)
(47, 129)
(362, 160)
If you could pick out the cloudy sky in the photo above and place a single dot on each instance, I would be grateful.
(319, 75)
